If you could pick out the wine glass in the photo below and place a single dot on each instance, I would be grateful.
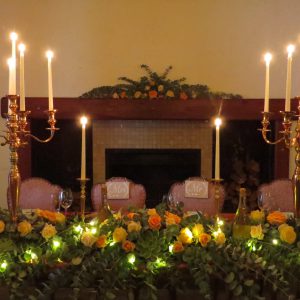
(56, 201)
(65, 199)
(265, 201)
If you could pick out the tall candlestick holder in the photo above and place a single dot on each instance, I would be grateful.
(17, 136)
(83, 182)
(217, 183)
(290, 142)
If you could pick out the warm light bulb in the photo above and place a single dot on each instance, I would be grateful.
(171, 248)
(13, 36)
(22, 48)
(78, 228)
(94, 230)
(131, 259)
(275, 242)
(49, 54)
(3, 265)
(218, 122)
(268, 58)
(290, 50)
(56, 244)
(83, 121)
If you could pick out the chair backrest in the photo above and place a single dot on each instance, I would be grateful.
(38, 193)
(280, 193)
(205, 205)
(137, 195)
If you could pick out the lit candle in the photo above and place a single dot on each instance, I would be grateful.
(267, 57)
(49, 55)
(10, 63)
(22, 80)
(290, 50)
(218, 123)
(12, 78)
(83, 121)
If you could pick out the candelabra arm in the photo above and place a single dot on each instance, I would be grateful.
(40, 140)
(6, 141)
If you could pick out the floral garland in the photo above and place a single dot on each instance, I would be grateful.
(146, 248)
(155, 86)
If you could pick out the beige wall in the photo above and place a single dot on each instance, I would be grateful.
(219, 43)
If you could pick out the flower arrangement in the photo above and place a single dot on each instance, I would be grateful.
(149, 249)
(156, 86)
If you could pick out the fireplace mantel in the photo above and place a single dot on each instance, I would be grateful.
(161, 109)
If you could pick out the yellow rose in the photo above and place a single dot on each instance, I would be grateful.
(137, 94)
(88, 239)
(276, 218)
(128, 246)
(197, 230)
(160, 88)
(59, 217)
(24, 228)
(134, 226)
(48, 231)
(287, 234)
(256, 232)
(220, 238)
(101, 242)
(177, 247)
(151, 212)
(170, 94)
(257, 216)
(185, 236)
(2, 226)
(119, 234)
(204, 239)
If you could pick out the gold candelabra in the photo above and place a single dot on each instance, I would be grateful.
(82, 195)
(290, 142)
(16, 137)
(217, 195)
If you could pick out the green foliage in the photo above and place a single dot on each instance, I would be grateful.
(156, 86)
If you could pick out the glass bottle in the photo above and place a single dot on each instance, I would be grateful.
(241, 225)
(104, 211)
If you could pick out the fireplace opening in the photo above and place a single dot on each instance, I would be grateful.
(155, 169)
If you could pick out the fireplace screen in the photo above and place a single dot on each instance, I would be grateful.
(155, 169)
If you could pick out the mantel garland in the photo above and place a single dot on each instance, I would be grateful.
(146, 249)
(156, 86)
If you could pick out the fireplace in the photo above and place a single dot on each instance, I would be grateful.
(155, 169)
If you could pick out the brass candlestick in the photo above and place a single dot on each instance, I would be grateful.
(82, 195)
(290, 142)
(217, 184)
(16, 137)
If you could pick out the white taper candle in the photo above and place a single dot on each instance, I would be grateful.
(290, 50)
(49, 55)
(12, 78)
(267, 57)
(22, 77)
(218, 123)
(83, 121)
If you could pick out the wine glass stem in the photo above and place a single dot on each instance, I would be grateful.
(66, 211)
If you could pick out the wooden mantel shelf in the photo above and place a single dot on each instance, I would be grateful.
(124, 109)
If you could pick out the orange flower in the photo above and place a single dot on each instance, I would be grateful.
(172, 218)
(204, 239)
(151, 211)
(183, 96)
(101, 242)
(152, 94)
(177, 247)
(276, 218)
(128, 246)
(131, 215)
(154, 222)
(123, 95)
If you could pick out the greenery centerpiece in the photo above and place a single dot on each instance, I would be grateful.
(146, 249)
(156, 86)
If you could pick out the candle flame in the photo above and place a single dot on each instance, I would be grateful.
(13, 36)
(83, 121)
(22, 48)
(49, 54)
(218, 122)
(290, 49)
(268, 58)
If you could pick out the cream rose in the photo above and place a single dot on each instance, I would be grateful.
(48, 231)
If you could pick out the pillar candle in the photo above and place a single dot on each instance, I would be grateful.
(290, 50)
(268, 58)
(22, 80)
(49, 55)
(218, 122)
(12, 77)
(83, 122)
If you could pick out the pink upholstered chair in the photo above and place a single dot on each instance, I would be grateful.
(278, 195)
(37, 193)
(137, 196)
(205, 205)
